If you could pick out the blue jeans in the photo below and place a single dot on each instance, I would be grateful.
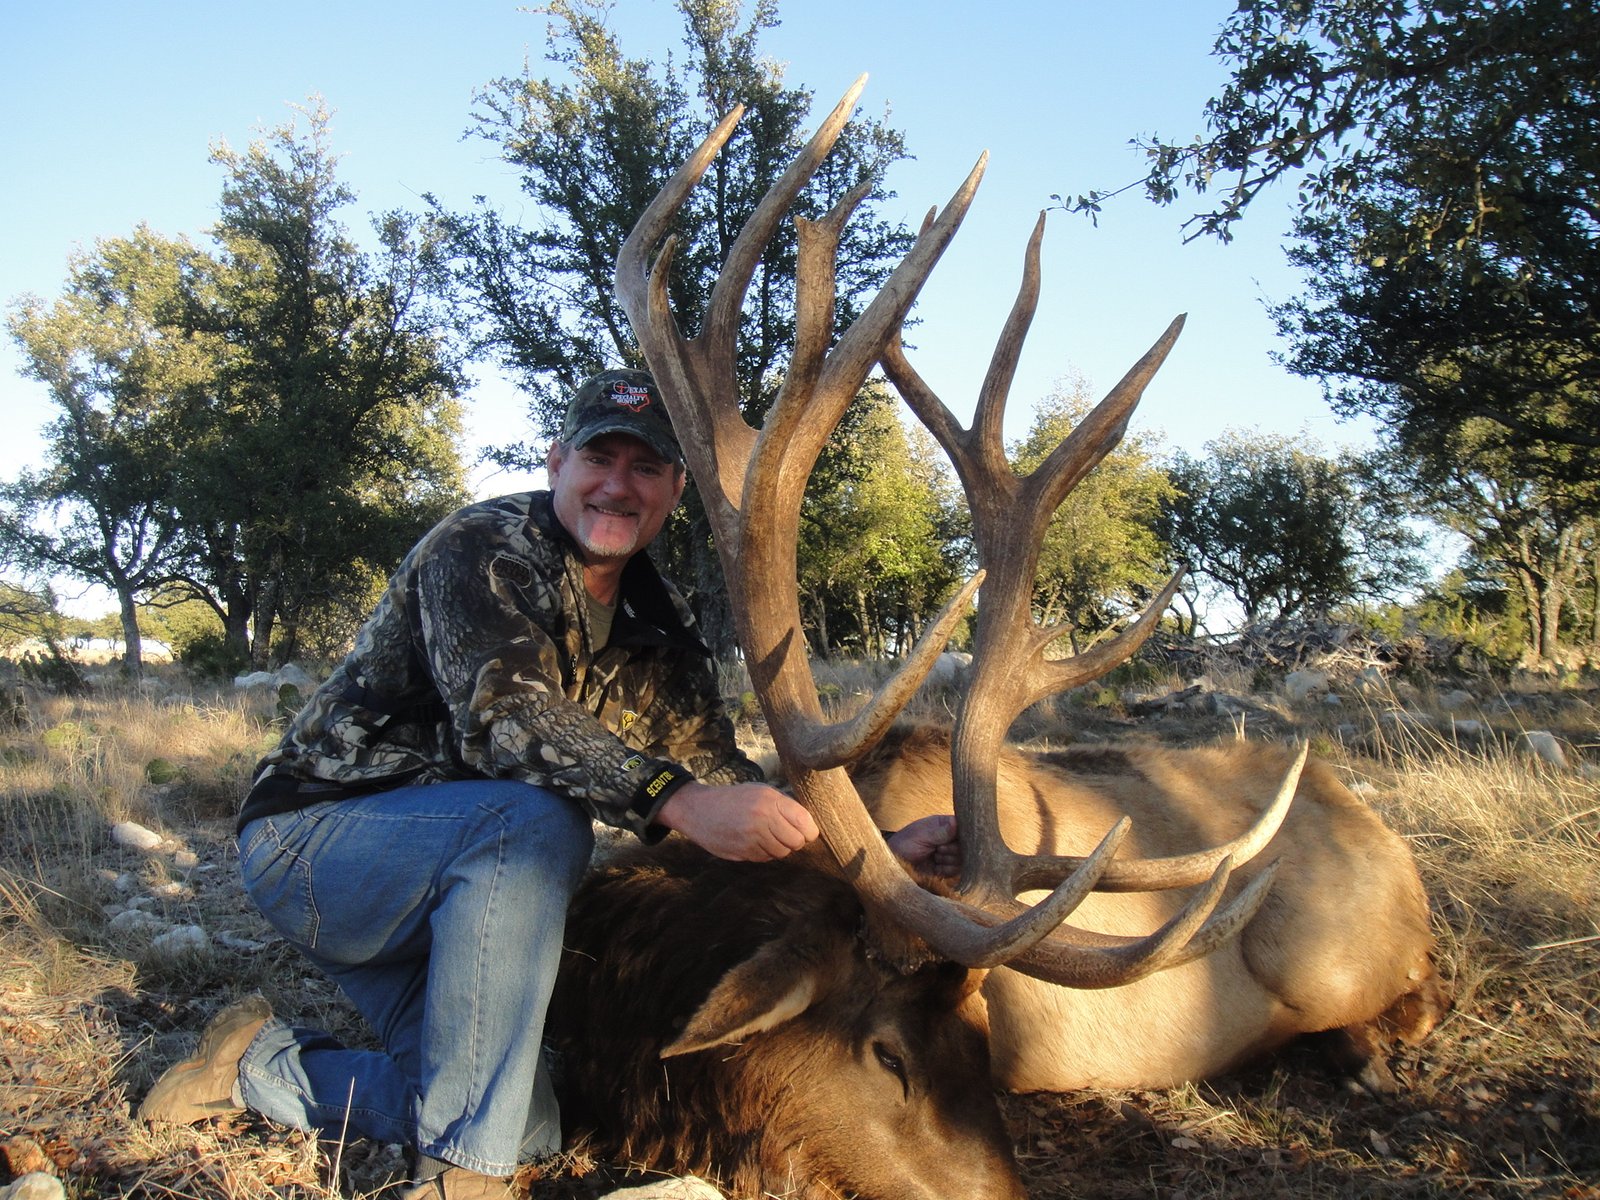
(439, 912)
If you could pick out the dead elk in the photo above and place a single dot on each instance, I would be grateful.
(1342, 944)
(725, 1019)
(742, 1091)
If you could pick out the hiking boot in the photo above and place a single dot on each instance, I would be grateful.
(202, 1085)
(458, 1183)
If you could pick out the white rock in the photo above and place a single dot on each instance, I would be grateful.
(1299, 685)
(1456, 699)
(1371, 680)
(234, 941)
(185, 859)
(1333, 700)
(135, 920)
(181, 939)
(1468, 729)
(296, 675)
(288, 673)
(35, 1185)
(131, 833)
(949, 669)
(1543, 745)
(687, 1188)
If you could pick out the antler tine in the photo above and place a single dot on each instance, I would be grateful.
(1178, 871)
(1099, 432)
(727, 296)
(841, 744)
(986, 436)
(1051, 676)
(1106, 961)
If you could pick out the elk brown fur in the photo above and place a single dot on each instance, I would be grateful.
(725, 1019)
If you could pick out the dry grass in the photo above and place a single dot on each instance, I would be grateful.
(1504, 1099)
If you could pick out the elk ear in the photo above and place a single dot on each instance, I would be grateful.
(775, 984)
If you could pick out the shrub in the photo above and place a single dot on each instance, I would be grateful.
(211, 656)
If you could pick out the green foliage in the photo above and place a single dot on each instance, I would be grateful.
(1448, 174)
(101, 510)
(1101, 554)
(1536, 536)
(594, 139)
(1487, 618)
(241, 426)
(213, 656)
(159, 771)
(27, 614)
(66, 737)
(1469, 330)
(1333, 94)
(179, 622)
(1285, 532)
(334, 352)
(288, 704)
(53, 671)
(879, 542)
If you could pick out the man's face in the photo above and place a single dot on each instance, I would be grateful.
(613, 495)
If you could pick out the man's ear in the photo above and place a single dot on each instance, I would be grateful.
(682, 481)
(552, 461)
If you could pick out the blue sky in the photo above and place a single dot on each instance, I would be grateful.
(111, 108)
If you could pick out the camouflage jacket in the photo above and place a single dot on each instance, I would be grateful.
(478, 662)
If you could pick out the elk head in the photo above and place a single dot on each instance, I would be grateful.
(752, 482)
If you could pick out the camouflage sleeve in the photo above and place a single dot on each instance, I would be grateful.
(484, 621)
(698, 733)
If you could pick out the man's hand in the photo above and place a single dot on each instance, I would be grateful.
(930, 845)
(745, 822)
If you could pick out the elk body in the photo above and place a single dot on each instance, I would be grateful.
(1342, 943)
(725, 1019)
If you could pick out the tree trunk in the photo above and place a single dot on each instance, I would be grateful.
(711, 597)
(133, 646)
(868, 646)
(1550, 622)
(1594, 609)
(819, 618)
(1532, 602)
(261, 626)
(288, 638)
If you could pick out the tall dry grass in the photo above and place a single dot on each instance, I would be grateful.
(1504, 1099)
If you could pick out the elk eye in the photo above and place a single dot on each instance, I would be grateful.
(891, 1062)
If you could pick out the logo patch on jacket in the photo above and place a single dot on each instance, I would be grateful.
(512, 570)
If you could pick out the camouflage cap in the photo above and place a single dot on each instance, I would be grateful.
(621, 402)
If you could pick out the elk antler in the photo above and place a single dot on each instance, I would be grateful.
(1010, 666)
(752, 484)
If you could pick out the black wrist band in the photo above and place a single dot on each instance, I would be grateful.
(653, 792)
